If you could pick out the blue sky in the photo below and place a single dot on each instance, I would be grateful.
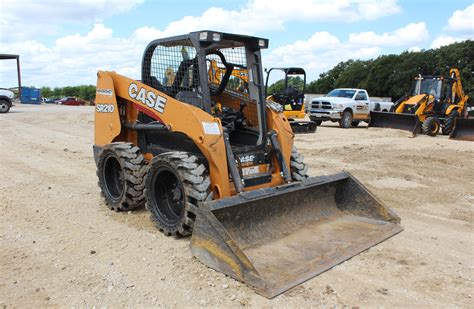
(65, 42)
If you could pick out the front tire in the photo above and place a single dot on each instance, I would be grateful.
(299, 169)
(449, 123)
(346, 120)
(174, 185)
(431, 126)
(316, 120)
(121, 170)
(4, 106)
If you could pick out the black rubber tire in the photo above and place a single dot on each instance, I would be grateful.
(298, 169)
(121, 170)
(314, 119)
(431, 126)
(4, 106)
(449, 122)
(355, 123)
(184, 181)
(346, 120)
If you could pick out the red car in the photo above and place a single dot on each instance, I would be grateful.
(70, 101)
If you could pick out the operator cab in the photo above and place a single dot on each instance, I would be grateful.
(288, 88)
(217, 72)
(438, 87)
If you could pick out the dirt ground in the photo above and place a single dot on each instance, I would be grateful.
(61, 246)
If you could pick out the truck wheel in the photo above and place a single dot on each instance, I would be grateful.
(121, 170)
(175, 183)
(299, 169)
(4, 106)
(449, 123)
(346, 119)
(314, 119)
(355, 123)
(431, 126)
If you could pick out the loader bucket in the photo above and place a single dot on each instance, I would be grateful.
(276, 238)
(463, 129)
(408, 122)
(303, 126)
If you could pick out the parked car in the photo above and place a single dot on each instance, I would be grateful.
(6, 100)
(70, 101)
(348, 106)
(47, 100)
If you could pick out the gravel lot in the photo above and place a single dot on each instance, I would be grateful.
(61, 246)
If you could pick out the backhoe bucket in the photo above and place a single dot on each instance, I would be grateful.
(276, 238)
(408, 122)
(463, 129)
(303, 126)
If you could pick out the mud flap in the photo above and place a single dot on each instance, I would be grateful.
(276, 238)
(408, 122)
(303, 126)
(463, 129)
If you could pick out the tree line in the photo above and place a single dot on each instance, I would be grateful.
(85, 92)
(392, 75)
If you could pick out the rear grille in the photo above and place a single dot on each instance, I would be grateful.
(321, 104)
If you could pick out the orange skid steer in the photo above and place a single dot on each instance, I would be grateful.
(211, 159)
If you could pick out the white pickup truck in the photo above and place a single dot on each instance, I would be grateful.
(348, 106)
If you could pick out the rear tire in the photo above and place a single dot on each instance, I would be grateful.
(4, 106)
(431, 126)
(449, 123)
(298, 169)
(121, 170)
(346, 120)
(175, 183)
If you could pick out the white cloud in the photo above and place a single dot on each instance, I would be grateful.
(444, 40)
(264, 15)
(26, 19)
(462, 21)
(322, 50)
(414, 49)
(411, 34)
(73, 59)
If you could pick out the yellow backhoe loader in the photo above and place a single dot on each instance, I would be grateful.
(435, 103)
(217, 162)
(291, 97)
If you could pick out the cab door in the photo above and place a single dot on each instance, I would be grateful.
(361, 105)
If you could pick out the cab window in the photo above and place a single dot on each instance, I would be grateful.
(361, 96)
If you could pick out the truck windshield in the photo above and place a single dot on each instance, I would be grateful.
(341, 93)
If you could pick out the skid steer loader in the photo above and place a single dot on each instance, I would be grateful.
(218, 163)
(435, 103)
(291, 98)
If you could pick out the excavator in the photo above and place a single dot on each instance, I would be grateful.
(435, 104)
(291, 98)
(216, 162)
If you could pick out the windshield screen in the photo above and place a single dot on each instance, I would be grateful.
(341, 93)
(428, 86)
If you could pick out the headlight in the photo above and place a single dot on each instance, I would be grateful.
(338, 106)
